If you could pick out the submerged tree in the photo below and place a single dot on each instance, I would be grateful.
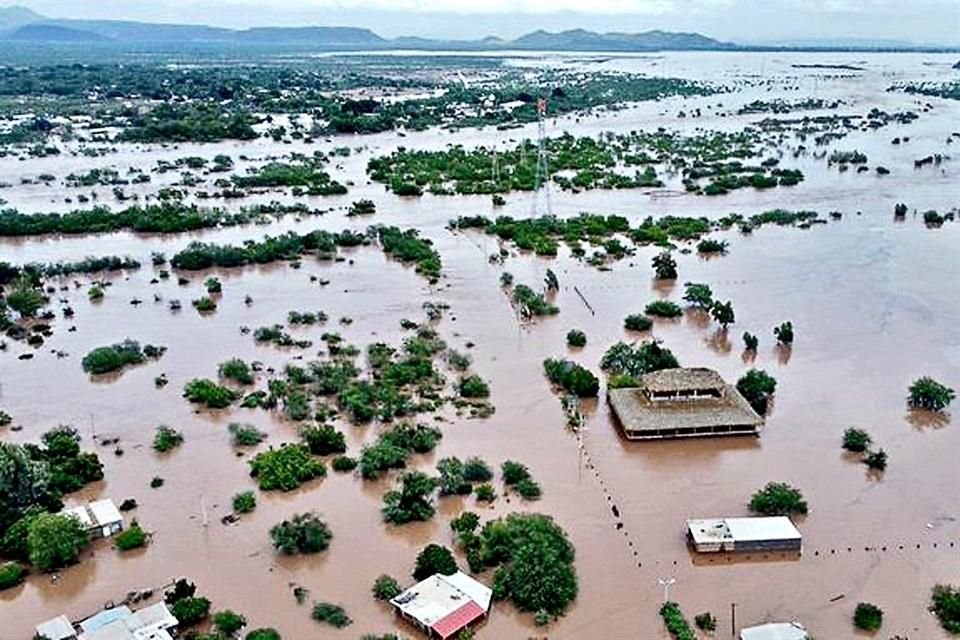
(927, 393)
(412, 502)
(699, 295)
(722, 312)
(665, 266)
(778, 499)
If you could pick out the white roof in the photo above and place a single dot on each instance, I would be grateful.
(58, 628)
(105, 617)
(438, 596)
(105, 511)
(81, 514)
(773, 528)
(775, 631)
(742, 529)
(149, 623)
(156, 615)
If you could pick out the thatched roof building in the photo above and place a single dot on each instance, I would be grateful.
(681, 403)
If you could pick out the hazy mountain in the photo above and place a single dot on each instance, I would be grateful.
(18, 24)
(582, 40)
(16, 16)
(43, 32)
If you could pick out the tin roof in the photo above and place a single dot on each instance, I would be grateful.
(434, 601)
(58, 628)
(775, 631)
(453, 622)
(742, 529)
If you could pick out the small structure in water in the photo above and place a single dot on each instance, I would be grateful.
(775, 631)
(441, 606)
(682, 403)
(119, 623)
(775, 533)
(101, 518)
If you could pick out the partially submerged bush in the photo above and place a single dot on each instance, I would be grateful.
(386, 588)
(11, 574)
(572, 377)
(856, 440)
(236, 370)
(133, 537)
(473, 387)
(946, 606)
(332, 614)
(244, 502)
(784, 334)
(245, 435)
(285, 468)
(622, 358)
(118, 356)
(637, 322)
(675, 622)
(576, 338)
(867, 616)
(209, 393)
(756, 386)
(166, 438)
(323, 440)
(663, 309)
(927, 393)
(432, 559)
(302, 533)
(412, 502)
(778, 499)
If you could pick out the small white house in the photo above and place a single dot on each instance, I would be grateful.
(441, 606)
(118, 623)
(101, 518)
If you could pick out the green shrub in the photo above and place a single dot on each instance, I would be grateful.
(723, 313)
(663, 309)
(323, 440)
(514, 472)
(750, 341)
(867, 616)
(205, 304)
(386, 588)
(133, 537)
(245, 435)
(209, 393)
(332, 614)
(114, 357)
(856, 440)
(664, 266)
(756, 386)
(675, 622)
(452, 481)
(572, 377)
(432, 559)
(412, 502)
(708, 245)
(476, 470)
(784, 334)
(11, 574)
(302, 533)
(166, 438)
(343, 464)
(531, 302)
(528, 489)
(946, 606)
(778, 499)
(637, 322)
(622, 358)
(190, 610)
(473, 387)
(237, 370)
(485, 492)
(244, 502)
(705, 621)
(263, 634)
(927, 393)
(285, 468)
(213, 285)
(876, 460)
(54, 541)
(228, 623)
(698, 294)
(576, 338)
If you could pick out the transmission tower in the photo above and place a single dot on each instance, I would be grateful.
(542, 180)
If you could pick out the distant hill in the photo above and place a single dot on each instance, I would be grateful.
(53, 33)
(17, 16)
(582, 40)
(19, 24)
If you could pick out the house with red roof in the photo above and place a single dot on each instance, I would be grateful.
(441, 606)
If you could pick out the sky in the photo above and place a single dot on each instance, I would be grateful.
(919, 21)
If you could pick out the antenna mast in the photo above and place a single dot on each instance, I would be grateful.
(542, 180)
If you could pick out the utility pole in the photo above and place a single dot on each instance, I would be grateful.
(733, 619)
(666, 583)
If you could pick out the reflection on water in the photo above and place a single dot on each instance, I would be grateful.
(874, 305)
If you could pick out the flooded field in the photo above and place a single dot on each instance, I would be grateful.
(874, 302)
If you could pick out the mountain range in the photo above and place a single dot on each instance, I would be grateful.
(22, 25)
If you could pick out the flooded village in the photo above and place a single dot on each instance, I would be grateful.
(458, 344)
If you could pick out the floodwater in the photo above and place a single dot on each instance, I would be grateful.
(874, 304)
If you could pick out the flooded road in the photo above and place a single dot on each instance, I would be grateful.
(874, 303)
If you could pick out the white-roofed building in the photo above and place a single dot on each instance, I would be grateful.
(775, 631)
(441, 606)
(101, 518)
(58, 628)
(119, 623)
(775, 533)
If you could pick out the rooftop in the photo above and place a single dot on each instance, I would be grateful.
(724, 412)
(775, 631)
(742, 529)
(58, 628)
(445, 603)
(682, 379)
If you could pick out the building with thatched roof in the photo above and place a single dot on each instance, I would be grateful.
(682, 403)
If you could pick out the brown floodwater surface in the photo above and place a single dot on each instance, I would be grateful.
(874, 304)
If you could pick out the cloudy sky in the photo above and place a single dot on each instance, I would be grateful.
(922, 21)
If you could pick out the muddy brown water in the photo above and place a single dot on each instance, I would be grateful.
(874, 304)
